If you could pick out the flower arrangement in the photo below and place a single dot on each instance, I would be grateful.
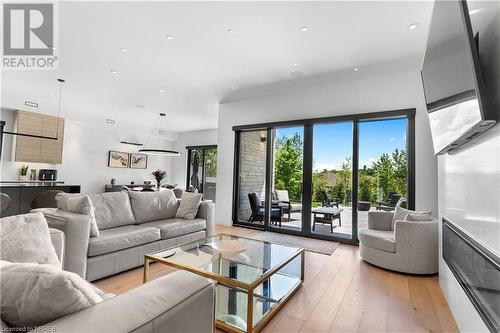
(159, 175)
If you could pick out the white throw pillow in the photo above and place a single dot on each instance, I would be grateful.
(401, 213)
(26, 238)
(62, 199)
(34, 294)
(83, 205)
(190, 202)
(418, 217)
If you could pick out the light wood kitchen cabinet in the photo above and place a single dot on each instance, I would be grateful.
(28, 149)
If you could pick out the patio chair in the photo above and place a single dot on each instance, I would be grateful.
(258, 210)
(288, 207)
(391, 204)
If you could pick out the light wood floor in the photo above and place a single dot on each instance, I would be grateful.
(341, 293)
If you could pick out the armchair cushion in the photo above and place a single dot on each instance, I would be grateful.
(282, 195)
(112, 209)
(34, 294)
(26, 238)
(376, 239)
(153, 206)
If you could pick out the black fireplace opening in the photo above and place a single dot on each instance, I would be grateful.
(477, 269)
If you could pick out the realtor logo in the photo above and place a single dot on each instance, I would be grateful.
(29, 36)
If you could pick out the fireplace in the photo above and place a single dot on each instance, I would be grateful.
(477, 269)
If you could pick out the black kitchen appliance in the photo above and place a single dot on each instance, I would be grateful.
(47, 174)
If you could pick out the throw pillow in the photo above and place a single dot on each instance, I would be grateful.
(400, 214)
(190, 202)
(34, 295)
(62, 199)
(26, 238)
(153, 206)
(418, 217)
(83, 205)
(112, 209)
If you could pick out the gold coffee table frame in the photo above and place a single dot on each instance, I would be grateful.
(235, 284)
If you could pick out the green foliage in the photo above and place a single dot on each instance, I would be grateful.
(319, 180)
(24, 170)
(338, 192)
(210, 162)
(288, 165)
(366, 188)
(400, 171)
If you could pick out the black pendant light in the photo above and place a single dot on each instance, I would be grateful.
(160, 152)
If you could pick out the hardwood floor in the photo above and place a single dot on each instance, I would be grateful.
(341, 293)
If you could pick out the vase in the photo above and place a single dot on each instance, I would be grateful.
(158, 184)
(23, 178)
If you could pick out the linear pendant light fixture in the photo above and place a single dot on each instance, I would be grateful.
(160, 152)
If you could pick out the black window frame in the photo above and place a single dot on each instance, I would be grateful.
(188, 172)
(308, 124)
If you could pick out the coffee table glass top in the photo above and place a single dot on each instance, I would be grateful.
(221, 256)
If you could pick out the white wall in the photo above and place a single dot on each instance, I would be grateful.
(85, 156)
(193, 138)
(469, 196)
(328, 96)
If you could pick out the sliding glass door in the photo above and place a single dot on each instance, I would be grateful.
(319, 178)
(331, 202)
(202, 170)
(251, 173)
(287, 174)
(383, 166)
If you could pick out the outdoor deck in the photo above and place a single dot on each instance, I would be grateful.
(324, 229)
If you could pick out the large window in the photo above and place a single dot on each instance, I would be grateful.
(320, 177)
(202, 170)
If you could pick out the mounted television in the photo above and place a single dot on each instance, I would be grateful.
(459, 104)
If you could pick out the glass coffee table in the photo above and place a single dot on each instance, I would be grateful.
(255, 278)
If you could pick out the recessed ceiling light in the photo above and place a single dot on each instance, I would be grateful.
(169, 37)
(231, 31)
(304, 29)
(356, 69)
(296, 74)
(162, 91)
(52, 94)
(233, 87)
(194, 84)
(209, 109)
(239, 68)
(413, 26)
(113, 71)
(123, 49)
(295, 64)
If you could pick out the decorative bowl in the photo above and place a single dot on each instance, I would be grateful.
(228, 246)
(147, 182)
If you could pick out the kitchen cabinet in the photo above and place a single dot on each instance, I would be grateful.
(30, 149)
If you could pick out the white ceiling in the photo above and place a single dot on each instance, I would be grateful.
(266, 43)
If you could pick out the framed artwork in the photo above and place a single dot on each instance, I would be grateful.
(138, 161)
(118, 159)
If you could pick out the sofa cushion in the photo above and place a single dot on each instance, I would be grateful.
(190, 202)
(177, 227)
(112, 209)
(34, 294)
(152, 206)
(26, 238)
(380, 240)
(119, 238)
